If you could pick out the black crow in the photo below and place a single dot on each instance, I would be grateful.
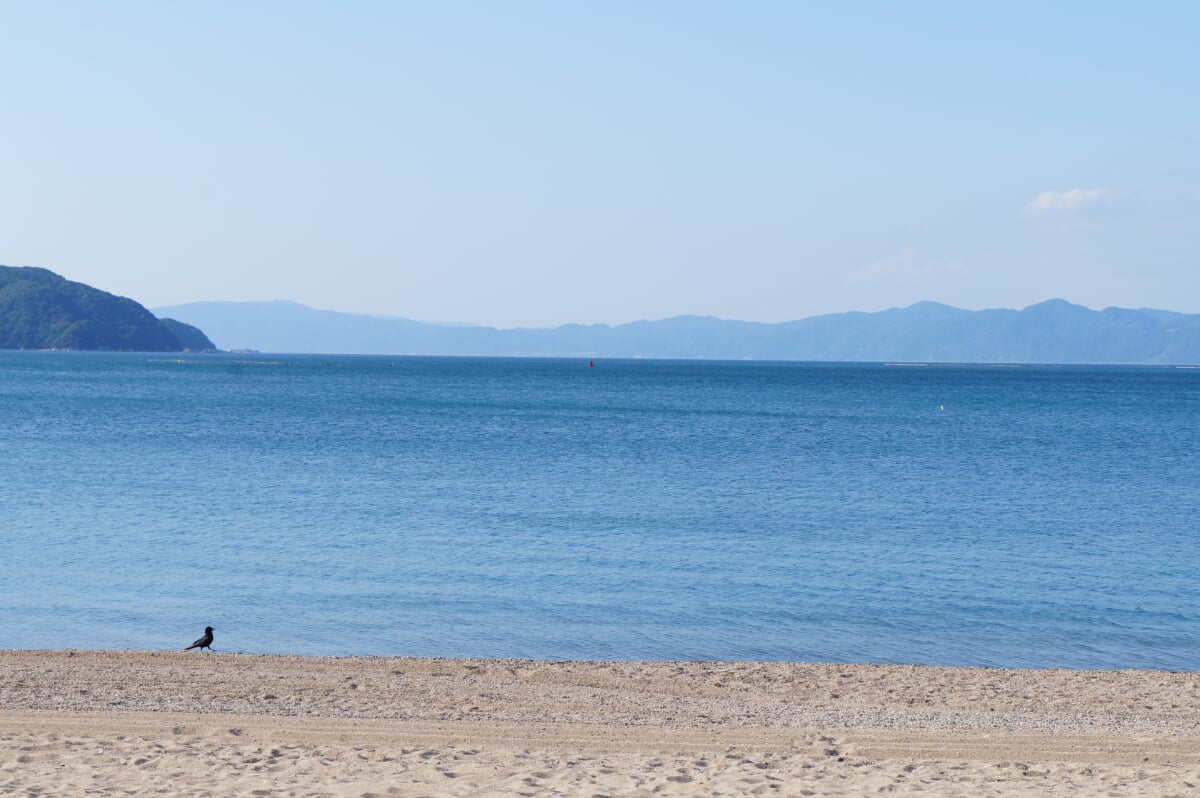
(204, 642)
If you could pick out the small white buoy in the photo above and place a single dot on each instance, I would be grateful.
(943, 407)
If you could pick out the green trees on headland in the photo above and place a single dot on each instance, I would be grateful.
(190, 337)
(41, 310)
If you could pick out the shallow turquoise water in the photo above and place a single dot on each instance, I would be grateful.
(635, 510)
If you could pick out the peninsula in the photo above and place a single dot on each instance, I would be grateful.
(42, 310)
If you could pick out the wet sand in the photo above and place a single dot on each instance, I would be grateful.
(105, 722)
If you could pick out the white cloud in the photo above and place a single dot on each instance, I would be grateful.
(1067, 200)
(905, 266)
(892, 265)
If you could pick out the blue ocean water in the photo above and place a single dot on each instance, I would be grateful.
(636, 510)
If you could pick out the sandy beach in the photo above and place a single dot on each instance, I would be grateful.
(136, 723)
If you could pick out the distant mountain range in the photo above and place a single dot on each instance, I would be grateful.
(1055, 331)
(42, 310)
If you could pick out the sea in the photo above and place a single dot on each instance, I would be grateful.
(1011, 516)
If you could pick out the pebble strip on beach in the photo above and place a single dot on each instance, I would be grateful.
(670, 694)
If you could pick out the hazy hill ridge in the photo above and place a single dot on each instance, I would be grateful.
(1050, 332)
(41, 310)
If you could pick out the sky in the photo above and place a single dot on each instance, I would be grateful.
(538, 163)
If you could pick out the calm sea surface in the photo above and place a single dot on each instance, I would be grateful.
(635, 510)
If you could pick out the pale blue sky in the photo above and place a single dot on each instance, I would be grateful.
(537, 163)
